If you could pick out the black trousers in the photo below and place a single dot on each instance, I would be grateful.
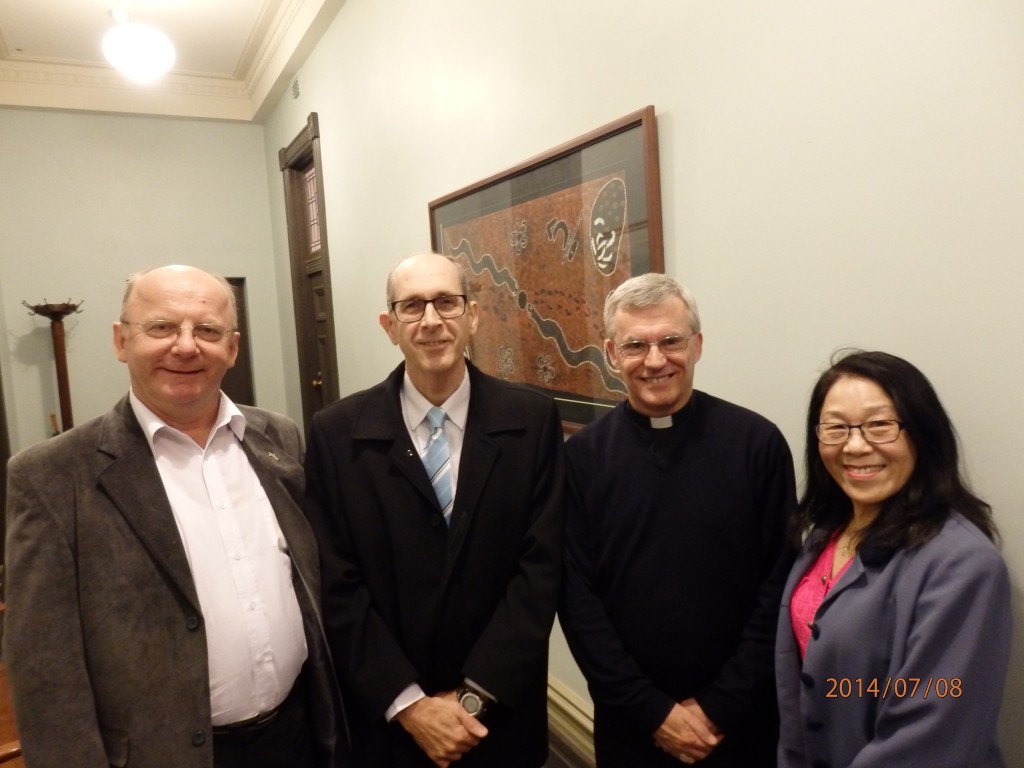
(284, 742)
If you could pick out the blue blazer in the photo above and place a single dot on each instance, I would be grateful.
(906, 662)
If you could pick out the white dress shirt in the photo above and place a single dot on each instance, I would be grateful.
(414, 412)
(456, 408)
(239, 560)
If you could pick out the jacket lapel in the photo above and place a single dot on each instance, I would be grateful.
(381, 419)
(131, 480)
(281, 478)
(480, 452)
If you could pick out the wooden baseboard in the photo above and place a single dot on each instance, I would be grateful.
(571, 725)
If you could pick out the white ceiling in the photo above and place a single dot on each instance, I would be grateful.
(233, 56)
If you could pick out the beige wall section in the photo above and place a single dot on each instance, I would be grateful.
(832, 174)
(87, 199)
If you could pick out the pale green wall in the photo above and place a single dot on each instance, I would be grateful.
(87, 199)
(832, 174)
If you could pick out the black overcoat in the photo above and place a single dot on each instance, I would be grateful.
(408, 599)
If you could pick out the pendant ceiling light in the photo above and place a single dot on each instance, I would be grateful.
(142, 53)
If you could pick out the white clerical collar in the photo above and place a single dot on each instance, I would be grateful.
(661, 422)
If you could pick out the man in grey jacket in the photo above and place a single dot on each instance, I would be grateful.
(162, 585)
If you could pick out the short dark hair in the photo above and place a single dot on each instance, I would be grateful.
(935, 488)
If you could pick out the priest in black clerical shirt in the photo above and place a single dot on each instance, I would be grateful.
(675, 551)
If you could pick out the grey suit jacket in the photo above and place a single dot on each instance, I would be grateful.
(906, 662)
(105, 640)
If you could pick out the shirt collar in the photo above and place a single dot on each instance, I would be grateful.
(415, 405)
(675, 419)
(227, 414)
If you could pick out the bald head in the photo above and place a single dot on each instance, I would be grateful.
(418, 261)
(176, 275)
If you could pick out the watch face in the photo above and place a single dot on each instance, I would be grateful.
(471, 703)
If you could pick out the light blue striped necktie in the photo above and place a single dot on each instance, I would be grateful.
(438, 461)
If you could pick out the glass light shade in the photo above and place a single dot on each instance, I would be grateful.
(140, 52)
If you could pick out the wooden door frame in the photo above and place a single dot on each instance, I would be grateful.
(303, 152)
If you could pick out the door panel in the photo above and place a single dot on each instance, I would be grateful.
(310, 270)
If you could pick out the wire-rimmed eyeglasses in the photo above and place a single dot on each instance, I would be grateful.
(165, 329)
(447, 307)
(668, 345)
(877, 432)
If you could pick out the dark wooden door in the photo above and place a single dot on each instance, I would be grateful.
(310, 269)
(238, 381)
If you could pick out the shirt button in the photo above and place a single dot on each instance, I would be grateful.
(824, 579)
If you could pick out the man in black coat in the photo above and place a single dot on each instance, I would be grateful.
(438, 609)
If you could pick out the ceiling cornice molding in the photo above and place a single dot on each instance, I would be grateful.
(93, 89)
(295, 33)
(290, 36)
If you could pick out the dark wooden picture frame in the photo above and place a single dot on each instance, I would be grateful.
(544, 243)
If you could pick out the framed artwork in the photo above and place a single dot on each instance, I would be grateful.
(544, 243)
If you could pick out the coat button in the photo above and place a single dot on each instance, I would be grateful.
(814, 725)
(192, 623)
(807, 680)
(198, 738)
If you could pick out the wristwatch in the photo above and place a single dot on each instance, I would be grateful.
(472, 701)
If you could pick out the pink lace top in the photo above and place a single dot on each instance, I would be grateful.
(810, 592)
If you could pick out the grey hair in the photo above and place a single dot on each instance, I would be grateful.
(133, 279)
(464, 284)
(648, 290)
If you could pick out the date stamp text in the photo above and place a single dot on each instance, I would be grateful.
(894, 687)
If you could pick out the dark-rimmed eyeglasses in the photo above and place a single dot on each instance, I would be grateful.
(877, 432)
(447, 307)
(165, 329)
(667, 345)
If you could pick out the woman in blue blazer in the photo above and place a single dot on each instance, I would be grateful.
(894, 633)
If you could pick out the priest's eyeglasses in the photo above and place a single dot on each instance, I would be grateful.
(639, 348)
(165, 329)
(877, 432)
(447, 307)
